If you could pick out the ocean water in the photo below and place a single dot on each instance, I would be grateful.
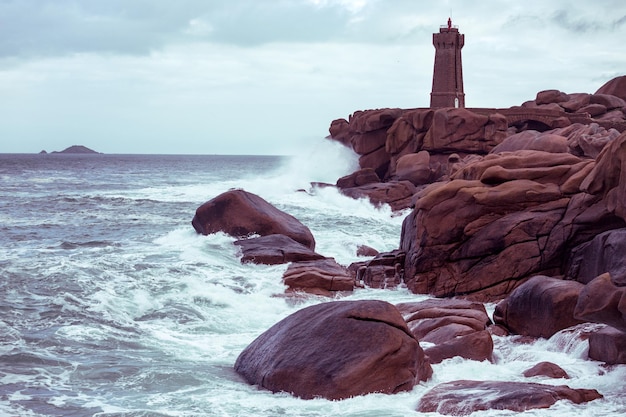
(112, 305)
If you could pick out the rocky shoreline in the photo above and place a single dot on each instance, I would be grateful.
(526, 213)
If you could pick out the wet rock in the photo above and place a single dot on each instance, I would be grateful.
(540, 307)
(608, 345)
(454, 327)
(383, 271)
(397, 194)
(601, 301)
(364, 250)
(241, 214)
(459, 398)
(548, 369)
(322, 277)
(358, 178)
(604, 253)
(275, 249)
(336, 350)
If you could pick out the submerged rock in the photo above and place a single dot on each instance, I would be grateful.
(275, 249)
(460, 398)
(548, 369)
(336, 350)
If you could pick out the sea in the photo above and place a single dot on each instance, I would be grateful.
(112, 305)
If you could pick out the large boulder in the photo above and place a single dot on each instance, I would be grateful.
(601, 301)
(450, 327)
(615, 87)
(414, 167)
(547, 369)
(608, 345)
(540, 307)
(459, 398)
(336, 350)
(533, 140)
(242, 214)
(321, 277)
(604, 253)
(274, 249)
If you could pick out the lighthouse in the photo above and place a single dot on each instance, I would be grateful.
(448, 72)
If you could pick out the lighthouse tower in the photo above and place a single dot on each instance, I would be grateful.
(448, 73)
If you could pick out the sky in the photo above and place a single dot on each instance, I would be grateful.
(269, 76)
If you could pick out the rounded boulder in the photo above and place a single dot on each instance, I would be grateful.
(336, 350)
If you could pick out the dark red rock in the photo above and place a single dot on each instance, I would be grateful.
(336, 350)
(604, 253)
(455, 327)
(540, 307)
(548, 369)
(607, 177)
(397, 194)
(601, 301)
(364, 250)
(593, 110)
(608, 345)
(321, 277)
(459, 398)
(383, 271)
(615, 87)
(551, 96)
(275, 249)
(241, 214)
(358, 178)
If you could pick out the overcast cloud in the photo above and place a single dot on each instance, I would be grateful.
(268, 76)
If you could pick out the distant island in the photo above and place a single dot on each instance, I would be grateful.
(74, 149)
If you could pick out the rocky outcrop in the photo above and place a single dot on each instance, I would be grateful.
(336, 350)
(459, 398)
(275, 249)
(397, 194)
(320, 277)
(615, 87)
(242, 214)
(449, 328)
(383, 271)
(540, 307)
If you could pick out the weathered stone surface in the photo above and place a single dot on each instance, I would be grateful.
(608, 101)
(587, 140)
(551, 96)
(604, 253)
(601, 301)
(593, 110)
(414, 167)
(468, 238)
(457, 129)
(455, 327)
(608, 345)
(275, 249)
(383, 271)
(336, 350)
(540, 307)
(608, 177)
(358, 178)
(459, 398)
(241, 214)
(364, 250)
(397, 194)
(615, 87)
(321, 277)
(547, 369)
(533, 140)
